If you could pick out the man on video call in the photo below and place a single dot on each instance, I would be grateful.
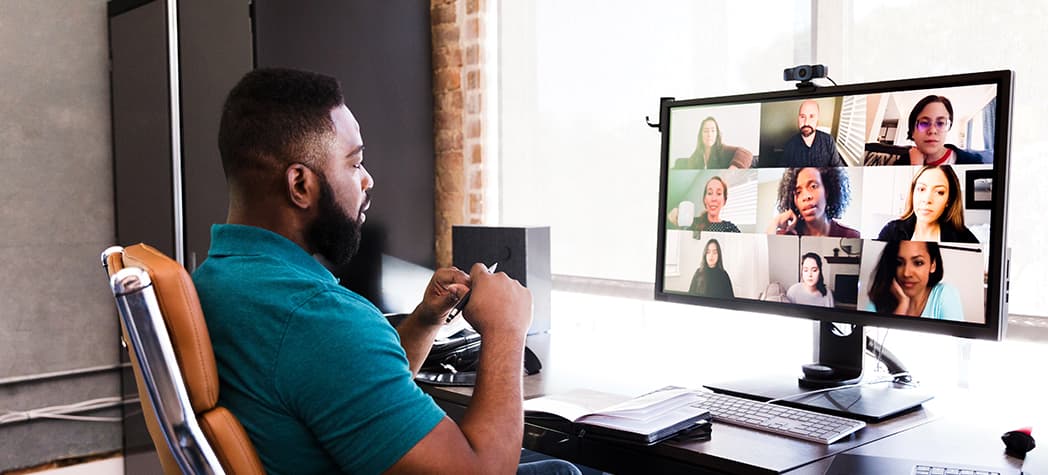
(810, 147)
(319, 379)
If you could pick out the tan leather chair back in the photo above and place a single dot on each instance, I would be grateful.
(183, 318)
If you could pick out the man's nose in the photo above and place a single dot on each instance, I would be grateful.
(368, 182)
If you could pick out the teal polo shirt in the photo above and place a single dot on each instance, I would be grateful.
(313, 371)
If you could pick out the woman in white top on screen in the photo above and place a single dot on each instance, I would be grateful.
(811, 290)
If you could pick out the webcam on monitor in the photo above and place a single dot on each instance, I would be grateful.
(804, 73)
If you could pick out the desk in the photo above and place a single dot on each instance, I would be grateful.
(921, 434)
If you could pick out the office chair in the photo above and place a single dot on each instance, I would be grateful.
(164, 331)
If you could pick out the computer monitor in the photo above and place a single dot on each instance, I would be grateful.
(880, 204)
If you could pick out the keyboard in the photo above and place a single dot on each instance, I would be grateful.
(788, 421)
(941, 469)
(854, 464)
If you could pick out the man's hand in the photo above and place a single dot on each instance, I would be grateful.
(418, 331)
(489, 436)
(498, 304)
(447, 286)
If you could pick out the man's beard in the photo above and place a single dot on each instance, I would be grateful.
(807, 130)
(333, 234)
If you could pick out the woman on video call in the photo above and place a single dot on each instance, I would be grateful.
(934, 210)
(811, 290)
(713, 200)
(908, 281)
(710, 279)
(929, 122)
(711, 153)
(810, 201)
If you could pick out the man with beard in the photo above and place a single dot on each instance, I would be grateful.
(319, 379)
(810, 147)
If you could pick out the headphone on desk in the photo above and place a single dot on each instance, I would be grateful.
(453, 362)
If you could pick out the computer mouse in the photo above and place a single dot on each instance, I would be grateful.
(1018, 442)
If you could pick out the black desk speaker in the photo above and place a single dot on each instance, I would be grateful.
(521, 252)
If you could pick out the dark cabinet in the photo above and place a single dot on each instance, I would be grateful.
(380, 51)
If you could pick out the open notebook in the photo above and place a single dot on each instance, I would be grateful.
(646, 419)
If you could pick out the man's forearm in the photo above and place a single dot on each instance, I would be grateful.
(416, 336)
(494, 421)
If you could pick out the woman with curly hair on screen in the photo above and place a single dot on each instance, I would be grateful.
(810, 201)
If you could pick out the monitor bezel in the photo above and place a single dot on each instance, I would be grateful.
(997, 271)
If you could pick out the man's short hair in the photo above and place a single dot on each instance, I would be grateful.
(275, 117)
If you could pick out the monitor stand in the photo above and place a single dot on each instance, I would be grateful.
(840, 358)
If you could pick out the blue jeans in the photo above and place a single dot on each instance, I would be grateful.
(548, 467)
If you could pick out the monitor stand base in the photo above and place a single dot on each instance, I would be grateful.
(839, 349)
(870, 403)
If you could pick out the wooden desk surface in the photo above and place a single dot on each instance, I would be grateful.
(731, 449)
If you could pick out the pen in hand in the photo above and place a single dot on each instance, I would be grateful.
(457, 309)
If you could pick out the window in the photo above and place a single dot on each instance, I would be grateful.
(576, 82)
(577, 79)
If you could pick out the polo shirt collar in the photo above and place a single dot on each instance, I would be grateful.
(241, 240)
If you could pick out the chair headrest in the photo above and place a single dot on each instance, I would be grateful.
(185, 322)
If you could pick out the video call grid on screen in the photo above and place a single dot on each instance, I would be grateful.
(870, 136)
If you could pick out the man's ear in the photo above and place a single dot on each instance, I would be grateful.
(301, 185)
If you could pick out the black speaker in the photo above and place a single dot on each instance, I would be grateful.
(521, 252)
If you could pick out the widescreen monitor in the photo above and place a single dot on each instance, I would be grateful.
(879, 204)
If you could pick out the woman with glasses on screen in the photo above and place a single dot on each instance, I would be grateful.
(810, 201)
(811, 290)
(908, 281)
(711, 153)
(934, 210)
(710, 279)
(930, 120)
(713, 200)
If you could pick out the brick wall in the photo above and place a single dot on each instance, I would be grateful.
(458, 82)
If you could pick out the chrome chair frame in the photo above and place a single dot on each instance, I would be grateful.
(140, 313)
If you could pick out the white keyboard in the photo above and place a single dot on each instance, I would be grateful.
(788, 421)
